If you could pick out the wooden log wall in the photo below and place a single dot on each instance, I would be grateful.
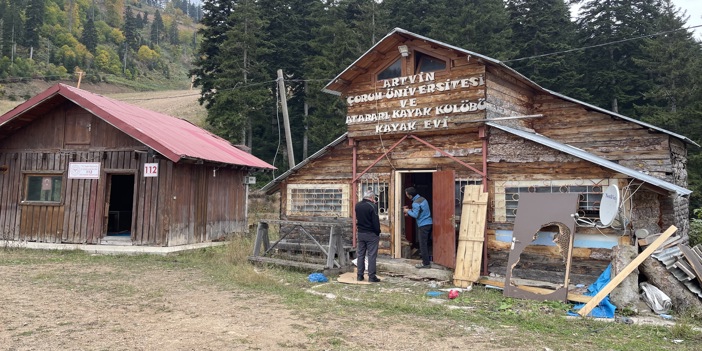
(506, 96)
(513, 158)
(617, 140)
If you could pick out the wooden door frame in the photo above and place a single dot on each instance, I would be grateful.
(109, 172)
(398, 214)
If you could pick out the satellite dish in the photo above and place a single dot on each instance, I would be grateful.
(609, 206)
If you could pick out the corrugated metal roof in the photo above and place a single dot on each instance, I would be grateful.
(396, 31)
(593, 158)
(172, 137)
(273, 183)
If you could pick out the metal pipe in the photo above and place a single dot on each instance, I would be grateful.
(353, 192)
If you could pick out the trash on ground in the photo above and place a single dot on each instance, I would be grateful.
(317, 278)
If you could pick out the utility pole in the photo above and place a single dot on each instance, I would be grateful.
(80, 77)
(286, 120)
(304, 136)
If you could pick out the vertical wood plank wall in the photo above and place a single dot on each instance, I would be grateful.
(186, 203)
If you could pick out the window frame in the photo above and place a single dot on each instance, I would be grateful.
(433, 54)
(415, 61)
(25, 187)
(382, 198)
(588, 204)
(343, 201)
(381, 69)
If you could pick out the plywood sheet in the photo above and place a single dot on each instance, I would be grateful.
(470, 237)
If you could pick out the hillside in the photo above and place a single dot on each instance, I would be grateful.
(178, 103)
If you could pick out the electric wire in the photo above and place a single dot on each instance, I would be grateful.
(602, 44)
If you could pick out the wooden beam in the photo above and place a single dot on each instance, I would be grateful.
(571, 296)
(626, 271)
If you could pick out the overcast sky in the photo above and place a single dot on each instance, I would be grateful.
(694, 10)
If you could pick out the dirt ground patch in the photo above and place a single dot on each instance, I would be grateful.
(109, 306)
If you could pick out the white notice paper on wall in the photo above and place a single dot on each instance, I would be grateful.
(150, 169)
(84, 170)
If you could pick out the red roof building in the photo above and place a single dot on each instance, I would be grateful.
(77, 167)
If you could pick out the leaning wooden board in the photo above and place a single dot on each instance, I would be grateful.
(626, 271)
(470, 237)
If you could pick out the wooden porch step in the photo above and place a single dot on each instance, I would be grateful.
(288, 263)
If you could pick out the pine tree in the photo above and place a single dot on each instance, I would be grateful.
(673, 63)
(12, 27)
(613, 78)
(287, 32)
(173, 33)
(138, 21)
(208, 59)
(90, 35)
(241, 105)
(35, 18)
(129, 28)
(345, 32)
(543, 27)
(157, 29)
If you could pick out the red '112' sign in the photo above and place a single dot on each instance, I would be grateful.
(150, 169)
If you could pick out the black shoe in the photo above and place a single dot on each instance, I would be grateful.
(421, 266)
(374, 279)
(359, 278)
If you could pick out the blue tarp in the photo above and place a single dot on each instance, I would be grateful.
(605, 309)
(317, 278)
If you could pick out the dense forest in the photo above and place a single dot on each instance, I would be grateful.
(635, 57)
(55, 39)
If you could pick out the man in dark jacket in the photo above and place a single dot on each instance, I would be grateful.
(368, 230)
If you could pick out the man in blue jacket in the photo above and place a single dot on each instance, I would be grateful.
(421, 212)
(368, 230)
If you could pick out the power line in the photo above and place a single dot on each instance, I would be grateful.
(603, 44)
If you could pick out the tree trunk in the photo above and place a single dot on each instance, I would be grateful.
(626, 294)
(681, 297)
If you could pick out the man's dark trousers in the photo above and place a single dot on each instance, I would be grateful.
(424, 237)
(367, 246)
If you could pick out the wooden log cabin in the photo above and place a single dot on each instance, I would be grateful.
(426, 114)
(80, 168)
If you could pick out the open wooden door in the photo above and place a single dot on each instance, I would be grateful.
(443, 209)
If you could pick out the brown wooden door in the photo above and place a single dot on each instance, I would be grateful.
(442, 211)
